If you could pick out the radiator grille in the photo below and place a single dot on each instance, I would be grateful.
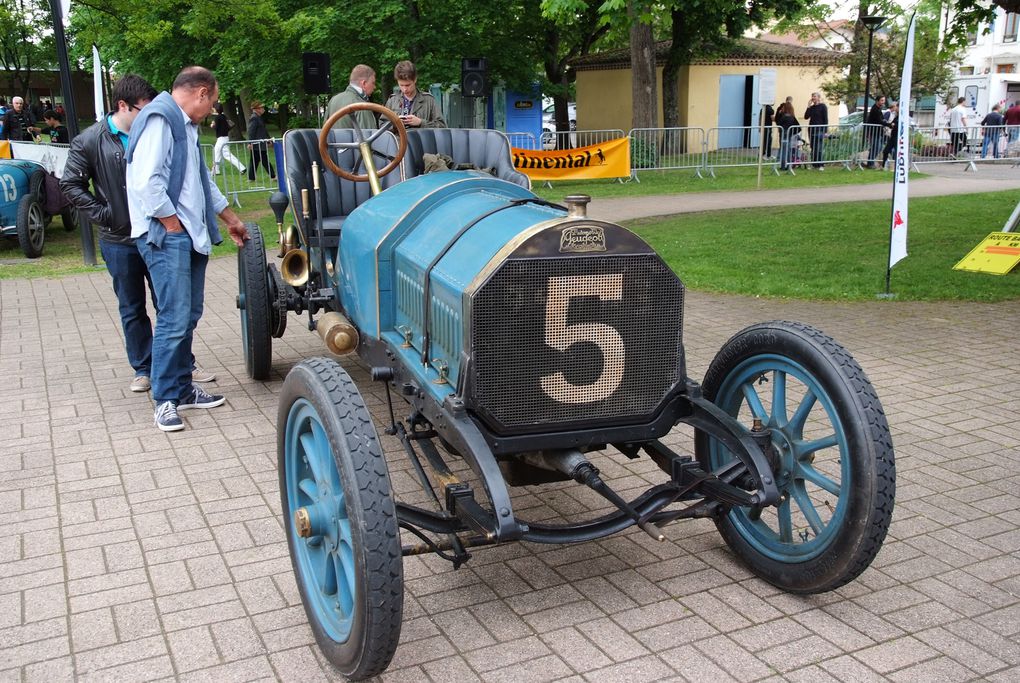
(617, 323)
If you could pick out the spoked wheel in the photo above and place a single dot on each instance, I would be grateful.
(254, 303)
(31, 224)
(340, 517)
(831, 451)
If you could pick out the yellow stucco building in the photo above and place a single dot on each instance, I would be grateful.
(714, 92)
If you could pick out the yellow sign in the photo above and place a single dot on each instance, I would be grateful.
(609, 159)
(5, 149)
(997, 254)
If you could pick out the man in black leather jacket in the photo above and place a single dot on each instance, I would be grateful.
(97, 155)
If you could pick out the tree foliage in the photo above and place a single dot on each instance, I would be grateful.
(26, 42)
(707, 27)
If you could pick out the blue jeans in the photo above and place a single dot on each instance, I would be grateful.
(130, 276)
(178, 278)
(991, 140)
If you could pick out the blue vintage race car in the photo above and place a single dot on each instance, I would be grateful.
(522, 343)
(24, 209)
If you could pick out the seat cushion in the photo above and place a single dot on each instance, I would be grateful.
(483, 148)
(340, 196)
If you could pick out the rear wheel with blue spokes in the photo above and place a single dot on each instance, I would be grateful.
(340, 517)
(830, 450)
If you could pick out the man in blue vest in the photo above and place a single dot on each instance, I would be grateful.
(173, 208)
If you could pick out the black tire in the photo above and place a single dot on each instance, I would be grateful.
(31, 226)
(253, 302)
(37, 185)
(69, 216)
(355, 604)
(836, 443)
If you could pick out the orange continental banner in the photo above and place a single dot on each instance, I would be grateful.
(609, 159)
(5, 149)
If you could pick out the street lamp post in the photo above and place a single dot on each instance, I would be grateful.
(872, 23)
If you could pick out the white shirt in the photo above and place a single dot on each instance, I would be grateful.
(148, 176)
(958, 119)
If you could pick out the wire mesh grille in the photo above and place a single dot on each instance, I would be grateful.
(585, 340)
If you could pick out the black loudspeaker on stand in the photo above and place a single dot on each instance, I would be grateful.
(474, 77)
(316, 73)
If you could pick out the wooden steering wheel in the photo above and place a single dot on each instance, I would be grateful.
(325, 144)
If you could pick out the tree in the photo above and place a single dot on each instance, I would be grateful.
(26, 42)
(707, 27)
(566, 33)
(933, 62)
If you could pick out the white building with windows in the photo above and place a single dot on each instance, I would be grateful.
(989, 72)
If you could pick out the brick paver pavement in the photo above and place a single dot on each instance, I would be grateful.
(129, 554)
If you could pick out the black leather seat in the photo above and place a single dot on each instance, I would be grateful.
(481, 147)
(340, 197)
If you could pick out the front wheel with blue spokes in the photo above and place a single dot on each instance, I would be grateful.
(341, 520)
(830, 450)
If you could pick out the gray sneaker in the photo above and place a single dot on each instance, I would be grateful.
(140, 384)
(199, 374)
(166, 417)
(199, 398)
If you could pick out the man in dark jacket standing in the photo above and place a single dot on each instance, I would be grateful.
(875, 131)
(97, 155)
(257, 131)
(18, 124)
(817, 115)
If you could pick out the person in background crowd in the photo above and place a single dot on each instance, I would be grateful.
(258, 134)
(37, 109)
(55, 128)
(892, 123)
(817, 115)
(416, 109)
(992, 128)
(18, 124)
(1013, 121)
(766, 143)
(97, 156)
(360, 88)
(789, 130)
(958, 126)
(173, 206)
(875, 131)
(221, 128)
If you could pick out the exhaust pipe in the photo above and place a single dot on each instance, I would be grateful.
(337, 333)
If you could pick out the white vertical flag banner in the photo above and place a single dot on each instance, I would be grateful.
(898, 229)
(97, 83)
(65, 10)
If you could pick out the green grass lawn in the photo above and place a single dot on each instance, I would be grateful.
(62, 253)
(831, 251)
(836, 251)
(740, 178)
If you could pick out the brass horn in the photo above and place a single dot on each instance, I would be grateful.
(289, 240)
(294, 267)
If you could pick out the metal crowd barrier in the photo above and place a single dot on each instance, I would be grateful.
(522, 141)
(244, 166)
(666, 149)
(579, 138)
(976, 145)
